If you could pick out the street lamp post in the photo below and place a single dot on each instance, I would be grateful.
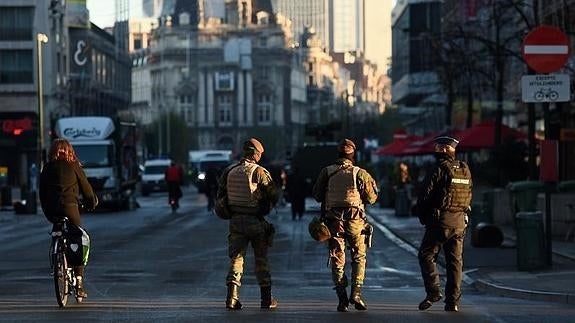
(40, 39)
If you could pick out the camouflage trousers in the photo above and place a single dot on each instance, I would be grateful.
(244, 229)
(346, 225)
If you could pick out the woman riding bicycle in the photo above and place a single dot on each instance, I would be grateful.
(62, 181)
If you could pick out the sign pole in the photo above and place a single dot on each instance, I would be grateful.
(546, 50)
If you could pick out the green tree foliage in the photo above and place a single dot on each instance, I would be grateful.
(179, 136)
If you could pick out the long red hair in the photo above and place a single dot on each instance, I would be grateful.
(61, 149)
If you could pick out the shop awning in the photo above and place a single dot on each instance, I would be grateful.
(396, 147)
(482, 136)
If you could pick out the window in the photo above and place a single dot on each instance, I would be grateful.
(225, 110)
(16, 23)
(16, 66)
(264, 72)
(263, 41)
(137, 43)
(186, 106)
(264, 109)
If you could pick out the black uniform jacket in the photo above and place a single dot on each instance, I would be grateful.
(431, 196)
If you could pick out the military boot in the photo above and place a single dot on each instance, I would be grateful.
(343, 300)
(356, 298)
(267, 300)
(233, 298)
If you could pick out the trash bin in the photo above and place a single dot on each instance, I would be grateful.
(530, 241)
(524, 195)
(6, 196)
(27, 204)
(566, 186)
(488, 205)
(402, 203)
(476, 214)
(384, 196)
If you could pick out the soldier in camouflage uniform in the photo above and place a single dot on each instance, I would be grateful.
(251, 195)
(343, 189)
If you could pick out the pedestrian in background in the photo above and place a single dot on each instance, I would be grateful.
(174, 176)
(402, 188)
(251, 194)
(343, 189)
(211, 182)
(62, 183)
(442, 206)
(296, 188)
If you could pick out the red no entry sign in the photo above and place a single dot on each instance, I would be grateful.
(546, 49)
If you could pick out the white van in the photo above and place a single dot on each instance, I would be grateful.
(153, 177)
(218, 159)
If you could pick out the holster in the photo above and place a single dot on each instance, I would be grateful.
(270, 232)
(368, 233)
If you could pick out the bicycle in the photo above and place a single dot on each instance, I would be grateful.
(65, 283)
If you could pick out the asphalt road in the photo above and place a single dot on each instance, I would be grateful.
(149, 265)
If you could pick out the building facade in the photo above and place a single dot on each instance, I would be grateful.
(20, 22)
(415, 81)
(228, 80)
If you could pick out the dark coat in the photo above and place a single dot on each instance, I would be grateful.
(62, 183)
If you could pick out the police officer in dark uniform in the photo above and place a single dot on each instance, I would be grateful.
(442, 206)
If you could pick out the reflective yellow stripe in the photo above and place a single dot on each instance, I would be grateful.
(460, 181)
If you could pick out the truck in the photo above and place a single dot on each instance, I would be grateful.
(199, 161)
(311, 158)
(107, 149)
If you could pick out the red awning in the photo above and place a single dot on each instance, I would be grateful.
(425, 145)
(396, 147)
(481, 136)
(422, 146)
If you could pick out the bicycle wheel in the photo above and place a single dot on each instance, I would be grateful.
(61, 286)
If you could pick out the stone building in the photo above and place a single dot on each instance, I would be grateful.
(229, 78)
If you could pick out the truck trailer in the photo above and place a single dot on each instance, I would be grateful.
(106, 148)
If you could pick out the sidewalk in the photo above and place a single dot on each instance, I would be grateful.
(494, 270)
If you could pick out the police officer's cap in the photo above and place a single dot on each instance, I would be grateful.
(253, 144)
(446, 140)
(346, 146)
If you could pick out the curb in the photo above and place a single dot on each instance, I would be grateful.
(488, 287)
(484, 286)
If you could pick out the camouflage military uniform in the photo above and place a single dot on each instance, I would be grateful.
(246, 227)
(346, 225)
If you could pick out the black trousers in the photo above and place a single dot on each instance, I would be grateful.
(451, 240)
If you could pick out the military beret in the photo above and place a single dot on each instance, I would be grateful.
(346, 146)
(254, 144)
(446, 140)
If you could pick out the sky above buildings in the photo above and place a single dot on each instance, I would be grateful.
(103, 12)
(378, 42)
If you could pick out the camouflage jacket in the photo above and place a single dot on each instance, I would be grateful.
(366, 185)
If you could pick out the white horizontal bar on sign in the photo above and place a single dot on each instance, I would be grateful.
(546, 49)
